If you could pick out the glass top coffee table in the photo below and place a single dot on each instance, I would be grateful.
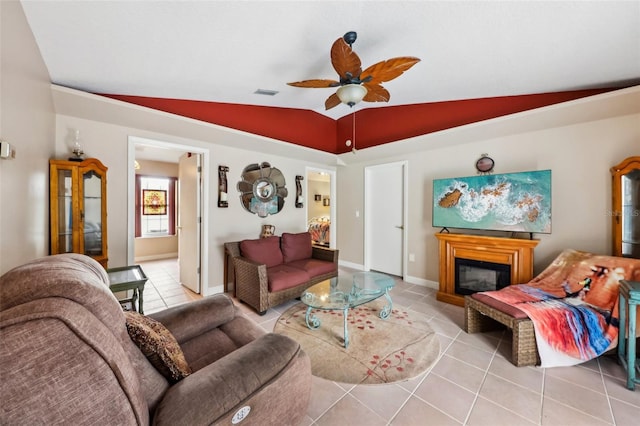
(346, 292)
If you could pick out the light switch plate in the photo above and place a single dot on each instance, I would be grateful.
(5, 149)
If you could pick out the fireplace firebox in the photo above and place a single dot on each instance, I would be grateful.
(472, 276)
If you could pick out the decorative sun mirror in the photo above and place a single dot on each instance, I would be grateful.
(262, 189)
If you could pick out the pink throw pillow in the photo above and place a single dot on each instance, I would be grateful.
(264, 250)
(296, 246)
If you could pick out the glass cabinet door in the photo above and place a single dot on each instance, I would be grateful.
(630, 214)
(78, 208)
(92, 214)
(65, 211)
(625, 211)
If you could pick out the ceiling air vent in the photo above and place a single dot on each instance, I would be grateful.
(266, 92)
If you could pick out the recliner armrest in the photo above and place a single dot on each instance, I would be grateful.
(210, 393)
(193, 319)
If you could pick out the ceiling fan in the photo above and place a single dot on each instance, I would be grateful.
(356, 85)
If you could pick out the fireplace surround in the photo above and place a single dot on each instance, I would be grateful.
(513, 253)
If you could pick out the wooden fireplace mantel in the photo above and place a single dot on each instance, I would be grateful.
(516, 252)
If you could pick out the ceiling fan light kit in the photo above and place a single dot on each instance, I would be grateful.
(351, 94)
(355, 85)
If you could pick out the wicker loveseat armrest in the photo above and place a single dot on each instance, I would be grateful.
(323, 253)
(232, 248)
(252, 284)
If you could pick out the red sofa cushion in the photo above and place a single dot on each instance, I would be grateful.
(282, 277)
(264, 250)
(314, 267)
(296, 246)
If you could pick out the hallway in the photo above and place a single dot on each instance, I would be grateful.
(163, 289)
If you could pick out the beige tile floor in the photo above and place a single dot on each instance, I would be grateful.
(472, 383)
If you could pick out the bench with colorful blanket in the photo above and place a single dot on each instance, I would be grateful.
(573, 305)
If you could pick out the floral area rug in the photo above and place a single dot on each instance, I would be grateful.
(379, 351)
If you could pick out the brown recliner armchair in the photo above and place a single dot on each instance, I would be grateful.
(66, 357)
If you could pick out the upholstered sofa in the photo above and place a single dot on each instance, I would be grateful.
(68, 356)
(273, 270)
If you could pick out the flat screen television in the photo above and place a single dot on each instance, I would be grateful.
(516, 202)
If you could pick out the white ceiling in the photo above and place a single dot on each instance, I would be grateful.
(222, 51)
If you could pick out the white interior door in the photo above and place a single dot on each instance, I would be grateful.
(189, 214)
(384, 218)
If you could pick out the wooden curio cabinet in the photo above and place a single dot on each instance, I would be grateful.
(625, 208)
(78, 208)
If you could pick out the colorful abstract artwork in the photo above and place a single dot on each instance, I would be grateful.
(154, 202)
(516, 202)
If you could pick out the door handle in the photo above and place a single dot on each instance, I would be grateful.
(399, 226)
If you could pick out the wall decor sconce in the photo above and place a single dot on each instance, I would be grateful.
(299, 197)
(223, 194)
(325, 201)
(317, 197)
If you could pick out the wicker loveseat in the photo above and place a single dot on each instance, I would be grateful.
(273, 270)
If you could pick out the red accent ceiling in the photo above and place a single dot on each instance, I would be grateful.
(374, 126)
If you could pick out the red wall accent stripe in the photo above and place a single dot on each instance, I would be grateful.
(374, 126)
(377, 126)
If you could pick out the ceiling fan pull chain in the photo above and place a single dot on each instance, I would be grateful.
(353, 149)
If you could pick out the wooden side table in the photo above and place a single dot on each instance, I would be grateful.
(128, 278)
(629, 299)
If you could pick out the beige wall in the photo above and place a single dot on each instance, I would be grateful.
(109, 143)
(156, 247)
(27, 122)
(579, 156)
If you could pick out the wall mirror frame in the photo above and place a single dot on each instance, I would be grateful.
(262, 189)
(625, 209)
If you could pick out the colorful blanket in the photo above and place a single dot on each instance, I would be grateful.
(573, 305)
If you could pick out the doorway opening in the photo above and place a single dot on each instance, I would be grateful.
(320, 206)
(188, 165)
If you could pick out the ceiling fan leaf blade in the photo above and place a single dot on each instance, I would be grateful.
(376, 93)
(344, 60)
(332, 101)
(317, 83)
(389, 69)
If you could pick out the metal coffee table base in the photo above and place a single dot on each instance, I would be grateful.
(313, 322)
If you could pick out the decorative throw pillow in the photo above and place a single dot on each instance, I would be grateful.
(159, 346)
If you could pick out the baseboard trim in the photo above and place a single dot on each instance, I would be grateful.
(422, 282)
(351, 265)
(411, 280)
(156, 257)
